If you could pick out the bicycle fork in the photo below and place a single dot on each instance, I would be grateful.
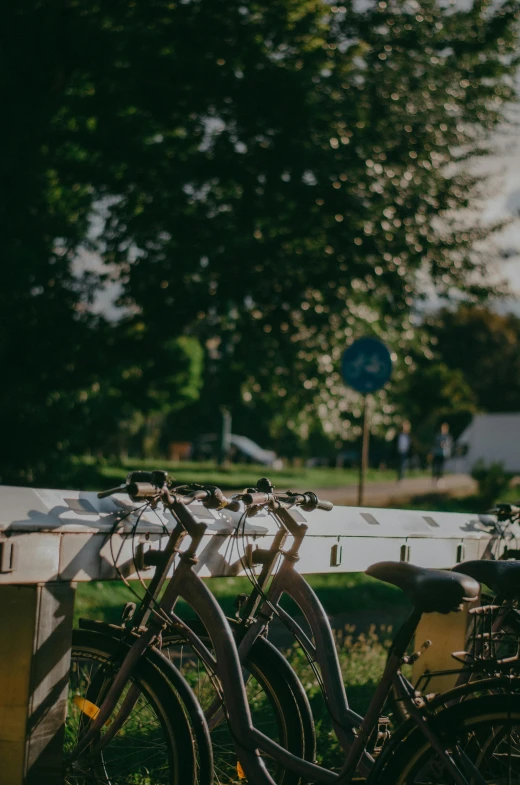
(114, 693)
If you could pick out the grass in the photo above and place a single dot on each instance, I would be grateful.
(361, 655)
(90, 474)
(338, 594)
(362, 659)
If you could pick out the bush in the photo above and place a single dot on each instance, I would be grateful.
(492, 480)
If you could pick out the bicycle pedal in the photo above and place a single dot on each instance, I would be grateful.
(383, 734)
(240, 771)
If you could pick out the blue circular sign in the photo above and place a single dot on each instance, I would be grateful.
(366, 365)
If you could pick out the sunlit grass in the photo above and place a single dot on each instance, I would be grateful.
(338, 593)
(89, 473)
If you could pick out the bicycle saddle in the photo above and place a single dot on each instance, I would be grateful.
(430, 590)
(502, 577)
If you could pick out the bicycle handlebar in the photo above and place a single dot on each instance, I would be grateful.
(307, 501)
(136, 490)
(136, 482)
(152, 485)
(149, 485)
(119, 489)
(212, 494)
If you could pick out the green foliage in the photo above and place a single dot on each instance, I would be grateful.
(344, 592)
(434, 393)
(493, 481)
(473, 364)
(143, 381)
(484, 346)
(362, 657)
(271, 179)
(307, 178)
(362, 653)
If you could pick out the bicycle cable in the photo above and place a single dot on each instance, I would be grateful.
(140, 512)
(312, 662)
(248, 569)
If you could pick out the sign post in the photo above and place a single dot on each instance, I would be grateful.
(366, 366)
(363, 464)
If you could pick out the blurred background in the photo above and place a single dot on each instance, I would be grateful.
(203, 204)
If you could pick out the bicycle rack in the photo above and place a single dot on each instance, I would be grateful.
(51, 539)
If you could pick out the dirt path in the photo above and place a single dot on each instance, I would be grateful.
(381, 494)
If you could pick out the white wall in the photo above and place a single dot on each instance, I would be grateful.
(491, 438)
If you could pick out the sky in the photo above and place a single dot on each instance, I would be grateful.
(503, 202)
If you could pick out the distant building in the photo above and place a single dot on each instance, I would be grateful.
(491, 438)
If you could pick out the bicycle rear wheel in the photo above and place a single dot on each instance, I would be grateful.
(485, 731)
(155, 746)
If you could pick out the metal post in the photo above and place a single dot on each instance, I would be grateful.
(364, 449)
(35, 640)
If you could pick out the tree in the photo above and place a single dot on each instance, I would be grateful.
(45, 348)
(271, 177)
(473, 365)
(485, 347)
(433, 394)
(286, 194)
(65, 386)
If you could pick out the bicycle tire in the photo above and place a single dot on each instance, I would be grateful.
(278, 685)
(159, 744)
(475, 725)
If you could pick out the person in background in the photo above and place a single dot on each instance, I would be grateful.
(441, 451)
(404, 443)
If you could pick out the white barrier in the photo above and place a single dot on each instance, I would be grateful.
(50, 539)
(49, 535)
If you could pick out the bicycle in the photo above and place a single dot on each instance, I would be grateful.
(117, 650)
(476, 730)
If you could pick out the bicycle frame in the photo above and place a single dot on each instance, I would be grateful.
(227, 659)
(186, 583)
(352, 730)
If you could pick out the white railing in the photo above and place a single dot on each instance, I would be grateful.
(50, 535)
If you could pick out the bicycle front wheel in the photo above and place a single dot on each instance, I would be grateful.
(155, 746)
(278, 704)
(484, 731)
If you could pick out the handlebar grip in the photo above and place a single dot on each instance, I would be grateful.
(324, 505)
(104, 494)
(255, 498)
(141, 490)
